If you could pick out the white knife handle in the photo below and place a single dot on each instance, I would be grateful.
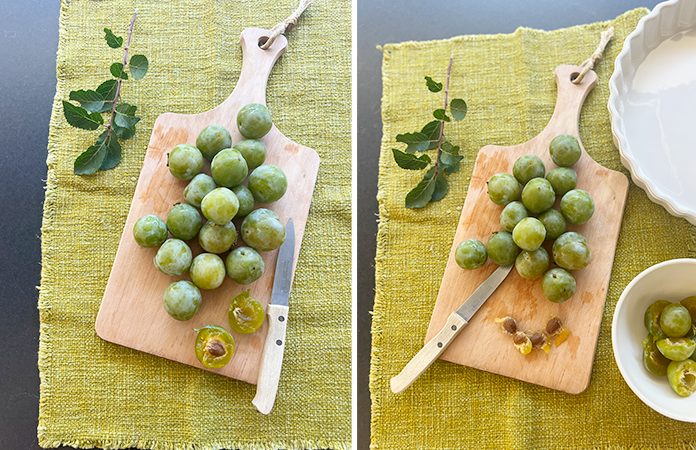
(272, 359)
(428, 354)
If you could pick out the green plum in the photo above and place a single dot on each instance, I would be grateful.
(182, 300)
(565, 150)
(245, 314)
(184, 221)
(254, 121)
(512, 214)
(150, 231)
(538, 195)
(558, 285)
(228, 168)
(207, 271)
(268, 184)
(253, 151)
(502, 249)
(577, 206)
(262, 231)
(216, 238)
(214, 346)
(198, 188)
(246, 200)
(503, 188)
(212, 139)
(173, 257)
(470, 254)
(682, 377)
(529, 234)
(527, 167)
(220, 205)
(244, 265)
(185, 162)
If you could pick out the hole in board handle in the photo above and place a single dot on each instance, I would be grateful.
(573, 75)
(264, 39)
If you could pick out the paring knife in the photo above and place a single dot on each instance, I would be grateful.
(455, 323)
(277, 311)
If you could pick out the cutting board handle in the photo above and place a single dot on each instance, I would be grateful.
(256, 65)
(569, 101)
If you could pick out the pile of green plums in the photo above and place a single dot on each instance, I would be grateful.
(528, 220)
(212, 203)
(669, 348)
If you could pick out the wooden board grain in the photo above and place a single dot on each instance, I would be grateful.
(131, 313)
(482, 344)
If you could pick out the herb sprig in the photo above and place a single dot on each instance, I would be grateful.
(434, 185)
(106, 152)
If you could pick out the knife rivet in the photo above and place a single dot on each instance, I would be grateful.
(454, 328)
(281, 319)
(439, 344)
(279, 342)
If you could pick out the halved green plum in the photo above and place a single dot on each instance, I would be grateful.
(214, 346)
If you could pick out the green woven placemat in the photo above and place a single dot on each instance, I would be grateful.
(94, 393)
(507, 81)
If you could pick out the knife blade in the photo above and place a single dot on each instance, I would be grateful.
(277, 312)
(455, 324)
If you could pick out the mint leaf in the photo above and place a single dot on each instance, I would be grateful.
(433, 86)
(410, 161)
(440, 187)
(449, 148)
(116, 70)
(458, 109)
(138, 66)
(80, 118)
(90, 160)
(417, 142)
(449, 162)
(108, 90)
(440, 114)
(112, 40)
(112, 152)
(421, 194)
(90, 100)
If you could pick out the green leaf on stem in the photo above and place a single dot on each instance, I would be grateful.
(124, 121)
(81, 118)
(112, 150)
(90, 100)
(432, 130)
(417, 142)
(422, 193)
(449, 162)
(410, 161)
(123, 118)
(449, 148)
(108, 90)
(440, 114)
(440, 187)
(112, 40)
(138, 66)
(117, 71)
(458, 109)
(433, 86)
(90, 160)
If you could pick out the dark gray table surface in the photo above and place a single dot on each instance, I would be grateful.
(381, 22)
(28, 44)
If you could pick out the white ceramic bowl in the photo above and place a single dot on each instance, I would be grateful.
(671, 280)
(652, 106)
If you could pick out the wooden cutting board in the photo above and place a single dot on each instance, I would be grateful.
(131, 313)
(482, 344)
